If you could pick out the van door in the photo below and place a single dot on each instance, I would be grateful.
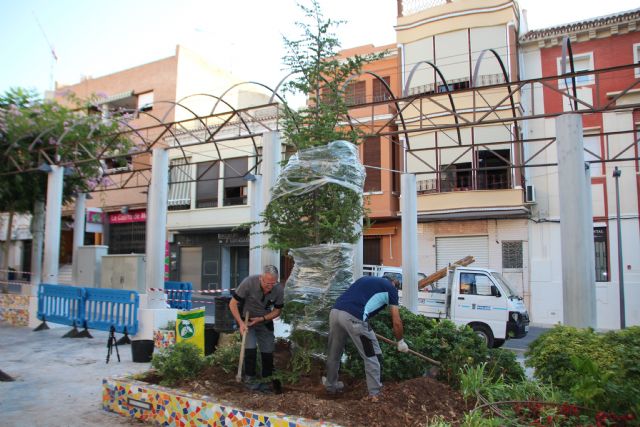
(476, 300)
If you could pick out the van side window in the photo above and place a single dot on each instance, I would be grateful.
(475, 284)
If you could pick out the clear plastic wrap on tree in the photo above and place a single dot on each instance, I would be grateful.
(319, 276)
(335, 163)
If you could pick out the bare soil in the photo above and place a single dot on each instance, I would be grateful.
(407, 403)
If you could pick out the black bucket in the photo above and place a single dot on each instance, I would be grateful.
(224, 321)
(210, 338)
(141, 351)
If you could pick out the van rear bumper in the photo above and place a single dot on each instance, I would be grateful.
(518, 327)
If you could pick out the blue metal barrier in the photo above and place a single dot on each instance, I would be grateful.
(105, 308)
(61, 304)
(179, 294)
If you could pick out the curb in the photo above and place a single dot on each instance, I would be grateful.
(168, 407)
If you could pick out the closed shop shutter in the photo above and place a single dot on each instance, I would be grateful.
(451, 249)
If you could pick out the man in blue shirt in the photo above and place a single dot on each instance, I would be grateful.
(350, 318)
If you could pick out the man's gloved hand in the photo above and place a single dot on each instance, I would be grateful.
(402, 346)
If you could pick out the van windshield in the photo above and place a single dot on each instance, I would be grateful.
(504, 285)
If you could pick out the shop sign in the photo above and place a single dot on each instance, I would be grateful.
(121, 218)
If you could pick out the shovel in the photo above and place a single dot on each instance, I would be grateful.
(415, 353)
(244, 340)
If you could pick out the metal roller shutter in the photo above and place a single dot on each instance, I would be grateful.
(451, 249)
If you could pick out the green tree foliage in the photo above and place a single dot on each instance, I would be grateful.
(320, 73)
(33, 131)
(331, 212)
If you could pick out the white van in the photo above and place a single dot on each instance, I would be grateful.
(477, 297)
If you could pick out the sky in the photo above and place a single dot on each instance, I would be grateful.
(95, 38)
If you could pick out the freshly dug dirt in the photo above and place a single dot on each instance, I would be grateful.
(408, 403)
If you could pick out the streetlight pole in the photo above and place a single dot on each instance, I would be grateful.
(616, 174)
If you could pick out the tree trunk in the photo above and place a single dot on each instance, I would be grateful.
(5, 256)
(37, 231)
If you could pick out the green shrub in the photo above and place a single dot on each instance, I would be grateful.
(226, 356)
(599, 371)
(504, 363)
(443, 341)
(179, 362)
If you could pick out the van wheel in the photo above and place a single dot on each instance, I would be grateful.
(484, 332)
(497, 343)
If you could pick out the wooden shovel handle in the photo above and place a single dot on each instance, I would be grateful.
(415, 353)
(244, 340)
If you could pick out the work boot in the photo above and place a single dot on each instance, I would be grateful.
(265, 388)
(338, 388)
(250, 383)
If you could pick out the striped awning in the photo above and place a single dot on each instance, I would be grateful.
(179, 183)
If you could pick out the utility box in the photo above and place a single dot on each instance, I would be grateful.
(88, 265)
(124, 272)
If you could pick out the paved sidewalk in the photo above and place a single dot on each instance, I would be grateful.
(58, 382)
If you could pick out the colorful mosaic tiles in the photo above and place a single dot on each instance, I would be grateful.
(14, 309)
(163, 338)
(168, 407)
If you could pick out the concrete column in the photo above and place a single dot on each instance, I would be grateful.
(271, 149)
(52, 225)
(576, 225)
(157, 226)
(409, 210)
(255, 238)
(78, 232)
(37, 231)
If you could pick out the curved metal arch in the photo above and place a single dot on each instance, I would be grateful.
(274, 92)
(444, 81)
(390, 92)
(255, 146)
(474, 78)
(184, 155)
(280, 83)
(566, 47)
(174, 104)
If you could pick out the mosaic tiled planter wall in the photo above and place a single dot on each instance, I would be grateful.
(168, 407)
(14, 309)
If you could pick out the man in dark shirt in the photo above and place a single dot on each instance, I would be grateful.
(263, 298)
(350, 318)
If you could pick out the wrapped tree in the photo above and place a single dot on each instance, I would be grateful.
(317, 205)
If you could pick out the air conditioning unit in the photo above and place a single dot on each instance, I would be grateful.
(530, 194)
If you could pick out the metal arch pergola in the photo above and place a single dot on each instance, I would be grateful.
(422, 121)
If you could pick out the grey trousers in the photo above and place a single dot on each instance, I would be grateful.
(260, 336)
(341, 326)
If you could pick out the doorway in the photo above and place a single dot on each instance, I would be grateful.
(239, 264)
(191, 266)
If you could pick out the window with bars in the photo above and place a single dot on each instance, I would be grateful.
(380, 92)
(356, 93)
(512, 254)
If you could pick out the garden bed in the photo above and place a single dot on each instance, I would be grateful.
(410, 402)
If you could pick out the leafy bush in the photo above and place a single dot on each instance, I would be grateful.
(226, 355)
(453, 346)
(598, 370)
(178, 362)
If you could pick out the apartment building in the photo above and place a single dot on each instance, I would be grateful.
(180, 103)
(600, 43)
(368, 97)
(471, 199)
